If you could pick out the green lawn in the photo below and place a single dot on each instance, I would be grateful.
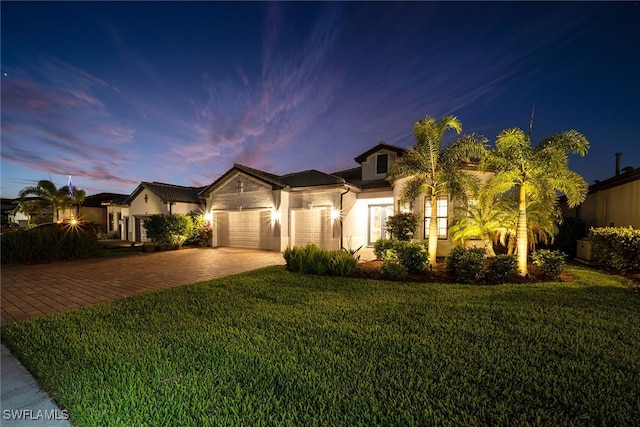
(271, 347)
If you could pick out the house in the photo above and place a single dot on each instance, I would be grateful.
(92, 210)
(349, 208)
(614, 202)
(126, 215)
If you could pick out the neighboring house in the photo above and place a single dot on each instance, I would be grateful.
(92, 210)
(614, 202)
(126, 215)
(256, 209)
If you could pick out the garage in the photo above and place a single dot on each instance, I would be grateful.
(243, 229)
(313, 226)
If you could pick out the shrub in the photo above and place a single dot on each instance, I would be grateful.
(391, 266)
(466, 264)
(176, 228)
(500, 269)
(47, 245)
(292, 259)
(402, 226)
(381, 246)
(414, 256)
(616, 247)
(550, 263)
(342, 263)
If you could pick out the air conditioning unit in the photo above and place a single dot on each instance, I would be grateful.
(584, 250)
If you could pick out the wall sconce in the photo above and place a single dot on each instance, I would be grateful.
(310, 205)
(335, 214)
(276, 216)
(208, 217)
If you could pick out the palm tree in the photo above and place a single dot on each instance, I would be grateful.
(479, 220)
(434, 169)
(47, 191)
(77, 199)
(535, 174)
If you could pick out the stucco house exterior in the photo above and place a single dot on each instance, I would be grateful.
(251, 208)
(126, 216)
(349, 208)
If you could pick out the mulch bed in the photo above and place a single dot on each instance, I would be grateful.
(372, 270)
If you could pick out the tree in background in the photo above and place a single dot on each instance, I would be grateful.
(46, 190)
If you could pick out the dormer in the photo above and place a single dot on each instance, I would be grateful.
(375, 163)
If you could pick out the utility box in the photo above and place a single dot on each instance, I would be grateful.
(583, 251)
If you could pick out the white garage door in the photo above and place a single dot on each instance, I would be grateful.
(313, 226)
(243, 229)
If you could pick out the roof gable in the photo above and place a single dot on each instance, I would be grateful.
(381, 146)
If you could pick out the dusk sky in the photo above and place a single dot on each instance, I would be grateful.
(117, 93)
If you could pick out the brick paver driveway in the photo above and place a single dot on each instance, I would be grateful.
(34, 290)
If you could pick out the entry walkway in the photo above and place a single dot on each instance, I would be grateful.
(35, 290)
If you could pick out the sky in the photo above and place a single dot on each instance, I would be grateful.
(117, 93)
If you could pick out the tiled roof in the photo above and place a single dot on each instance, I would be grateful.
(354, 176)
(97, 200)
(311, 178)
(169, 192)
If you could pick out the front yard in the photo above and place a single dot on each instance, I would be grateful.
(271, 347)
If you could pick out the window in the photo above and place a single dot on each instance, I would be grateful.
(442, 212)
(378, 222)
(382, 164)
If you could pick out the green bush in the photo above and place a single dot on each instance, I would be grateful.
(381, 246)
(500, 269)
(176, 228)
(391, 266)
(47, 245)
(616, 247)
(466, 264)
(343, 263)
(414, 256)
(550, 263)
(311, 259)
(402, 226)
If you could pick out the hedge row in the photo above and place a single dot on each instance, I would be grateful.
(43, 245)
(616, 247)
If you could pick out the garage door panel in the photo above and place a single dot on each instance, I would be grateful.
(312, 226)
(243, 229)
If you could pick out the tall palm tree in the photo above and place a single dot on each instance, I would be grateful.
(434, 169)
(535, 174)
(47, 191)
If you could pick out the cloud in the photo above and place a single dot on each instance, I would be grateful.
(56, 118)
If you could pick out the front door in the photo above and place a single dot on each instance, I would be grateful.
(378, 215)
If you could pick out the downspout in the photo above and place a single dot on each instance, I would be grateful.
(341, 227)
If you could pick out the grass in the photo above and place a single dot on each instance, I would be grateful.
(271, 347)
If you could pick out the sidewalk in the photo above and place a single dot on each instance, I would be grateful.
(23, 403)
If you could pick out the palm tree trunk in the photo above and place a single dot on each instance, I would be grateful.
(488, 243)
(433, 231)
(521, 233)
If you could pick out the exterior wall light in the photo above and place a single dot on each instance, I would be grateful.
(335, 214)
